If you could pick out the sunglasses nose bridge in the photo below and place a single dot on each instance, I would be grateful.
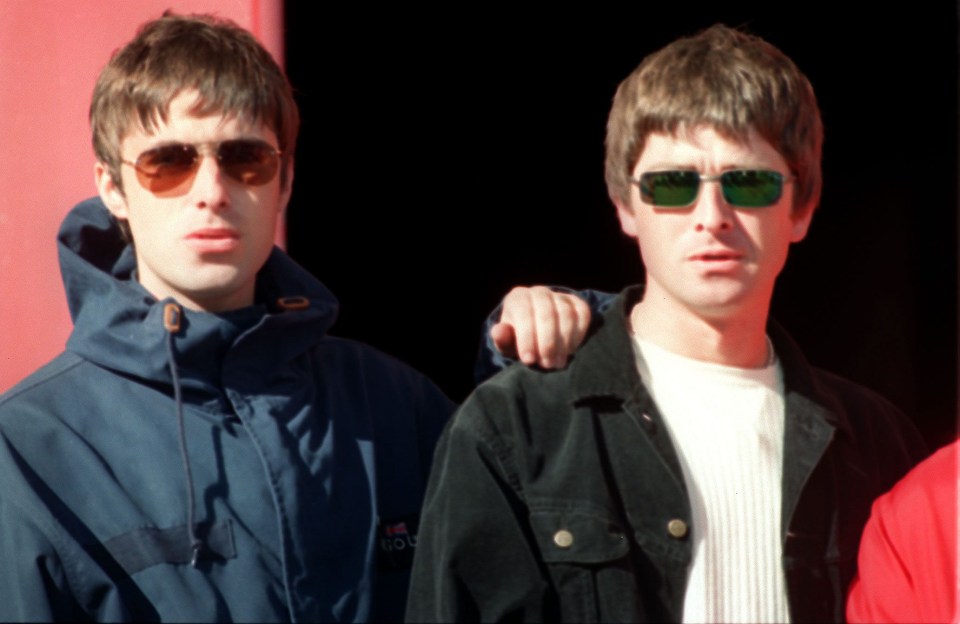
(711, 210)
(209, 182)
(705, 179)
(215, 152)
(204, 150)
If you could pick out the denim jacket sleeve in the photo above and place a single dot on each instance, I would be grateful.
(490, 361)
(471, 507)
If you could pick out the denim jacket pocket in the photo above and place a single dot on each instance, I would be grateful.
(585, 553)
(574, 536)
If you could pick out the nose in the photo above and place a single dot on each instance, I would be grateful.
(711, 212)
(209, 185)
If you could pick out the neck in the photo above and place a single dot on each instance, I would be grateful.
(734, 339)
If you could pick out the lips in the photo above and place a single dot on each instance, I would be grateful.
(717, 255)
(213, 240)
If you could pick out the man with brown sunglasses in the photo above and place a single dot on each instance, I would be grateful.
(689, 464)
(202, 450)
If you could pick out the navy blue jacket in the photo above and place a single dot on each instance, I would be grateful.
(558, 496)
(306, 456)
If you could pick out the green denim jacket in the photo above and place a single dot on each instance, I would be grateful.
(558, 495)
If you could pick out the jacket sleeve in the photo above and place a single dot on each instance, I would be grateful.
(490, 361)
(52, 568)
(475, 560)
(33, 581)
(908, 554)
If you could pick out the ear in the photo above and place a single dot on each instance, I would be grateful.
(627, 216)
(110, 193)
(801, 223)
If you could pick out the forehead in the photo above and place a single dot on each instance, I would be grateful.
(188, 120)
(705, 147)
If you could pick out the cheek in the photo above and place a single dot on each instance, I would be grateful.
(147, 221)
(152, 223)
(659, 231)
(267, 211)
(775, 238)
(655, 252)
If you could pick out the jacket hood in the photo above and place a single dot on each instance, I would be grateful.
(120, 326)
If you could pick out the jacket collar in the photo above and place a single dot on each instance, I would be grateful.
(120, 326)
(605, 367)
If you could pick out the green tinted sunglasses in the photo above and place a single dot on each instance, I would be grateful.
(744, 188)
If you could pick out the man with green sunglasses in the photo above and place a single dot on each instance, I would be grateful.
(689, 464)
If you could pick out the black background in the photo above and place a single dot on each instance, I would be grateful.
(448, 155)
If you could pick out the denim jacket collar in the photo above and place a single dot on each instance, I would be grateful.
(612, 371)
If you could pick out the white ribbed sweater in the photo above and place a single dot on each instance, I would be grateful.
(727, 426)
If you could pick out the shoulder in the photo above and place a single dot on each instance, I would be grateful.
(828, 390)
(919, 513)
(358, 355)
(854, 399)
(871, 432)
(872, 441)
(67, 416)
(51, 389)
(521, 385)
(366, 387)
(518, 412)
(908, 555)
(43, 376)
(871, 421)
(866, 413)
(541, 407)
(929, 489)
(350, 361)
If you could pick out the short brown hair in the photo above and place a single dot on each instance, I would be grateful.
(730, 80)
(231, 71)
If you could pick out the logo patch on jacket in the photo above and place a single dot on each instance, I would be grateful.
(397, 541)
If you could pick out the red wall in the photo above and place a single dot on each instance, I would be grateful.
(50, 54)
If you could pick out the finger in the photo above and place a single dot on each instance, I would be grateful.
(504, 339)
(582, 325)
(573, 320)
(567, 327)
(546, 329)
(518, 312)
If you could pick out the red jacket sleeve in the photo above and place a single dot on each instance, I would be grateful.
(908, 554)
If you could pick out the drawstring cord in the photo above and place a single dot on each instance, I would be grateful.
(171, 322)
(172, 316)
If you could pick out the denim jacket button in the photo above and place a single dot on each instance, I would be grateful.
(677, 528)
(563, 538)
